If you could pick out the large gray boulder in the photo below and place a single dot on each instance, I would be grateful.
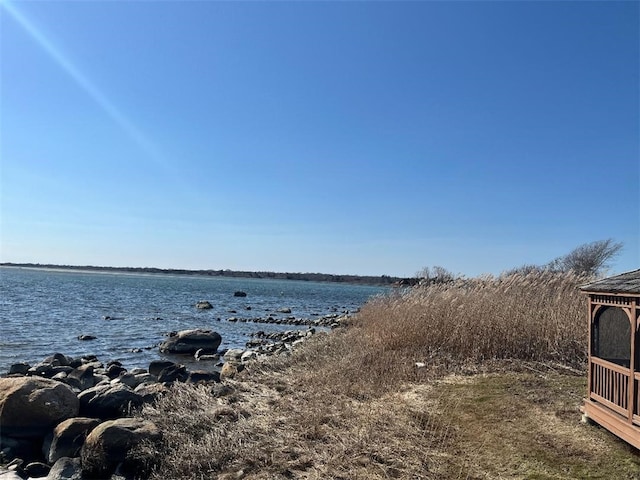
(30, 407)
(190, 341)
(67, 438)
(108, 401)
(109, 444)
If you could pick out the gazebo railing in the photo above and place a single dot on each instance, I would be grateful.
(636, 412)
(610, 385)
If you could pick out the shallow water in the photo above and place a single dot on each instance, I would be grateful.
(44, 311)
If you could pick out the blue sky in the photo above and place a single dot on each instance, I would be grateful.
(339, 137)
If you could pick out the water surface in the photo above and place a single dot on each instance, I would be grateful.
(44, 311)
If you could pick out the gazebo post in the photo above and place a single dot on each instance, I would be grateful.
(589, 367)
(631, 391)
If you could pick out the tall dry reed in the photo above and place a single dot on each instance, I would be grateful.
(539, 316)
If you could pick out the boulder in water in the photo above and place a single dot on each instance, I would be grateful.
(190, 341)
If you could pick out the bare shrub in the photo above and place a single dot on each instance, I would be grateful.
(588, 259)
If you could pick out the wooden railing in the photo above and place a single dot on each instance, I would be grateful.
(636, 412)
(610, 385)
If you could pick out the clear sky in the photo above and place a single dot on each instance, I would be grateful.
(337, 137)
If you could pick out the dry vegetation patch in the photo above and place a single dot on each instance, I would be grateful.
(498, 398)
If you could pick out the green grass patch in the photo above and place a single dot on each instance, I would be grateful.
(525, 425)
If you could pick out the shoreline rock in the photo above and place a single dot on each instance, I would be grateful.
(190, 341)
(97, 394)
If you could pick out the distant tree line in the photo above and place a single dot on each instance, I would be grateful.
(382, 280)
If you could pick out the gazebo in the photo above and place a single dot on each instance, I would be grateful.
(613, 383)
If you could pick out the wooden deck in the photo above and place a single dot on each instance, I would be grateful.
(612, 421)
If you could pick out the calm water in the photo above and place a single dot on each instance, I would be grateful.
(44, 311)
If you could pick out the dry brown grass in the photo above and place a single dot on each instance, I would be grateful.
(352, 404)
(534, 317)
(281, 431)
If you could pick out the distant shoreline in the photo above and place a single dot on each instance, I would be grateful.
(382, 280)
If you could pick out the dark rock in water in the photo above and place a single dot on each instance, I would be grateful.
(67, 438)
(57, 360)
(201, 376)
(240, 294)
(37, 470)
(156, 366)
(66, 469)
(86, 337)
(204, 305)
(19, 369)
(109, 444)
(173, 373)
(108, 401)
(190, 341)
(30, 407)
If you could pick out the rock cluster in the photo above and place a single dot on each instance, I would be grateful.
(331, 320)
(277, 343)
(70, 418)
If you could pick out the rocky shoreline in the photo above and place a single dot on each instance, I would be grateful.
(72, 418)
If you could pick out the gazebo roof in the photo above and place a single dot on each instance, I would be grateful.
(628, 282)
